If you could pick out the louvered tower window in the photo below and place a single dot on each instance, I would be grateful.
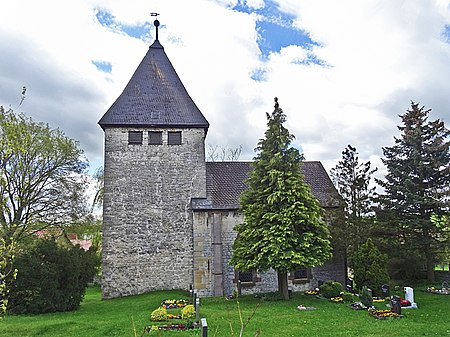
(135, 137)
(155, 137)
(174, 137)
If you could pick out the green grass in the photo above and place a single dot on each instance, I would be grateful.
(274, 318)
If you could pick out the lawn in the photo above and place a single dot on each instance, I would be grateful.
(274, 318)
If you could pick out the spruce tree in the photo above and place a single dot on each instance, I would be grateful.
(283, 226)
(417, 185)
(352, 179)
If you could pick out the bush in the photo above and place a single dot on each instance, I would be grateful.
(159, 314)
(51, 277)
(400, 267)
(188, 312)
(370, 267)
(331, 289)
(347, 297)
(366, 297)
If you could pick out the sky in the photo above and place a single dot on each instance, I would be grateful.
(343, 71)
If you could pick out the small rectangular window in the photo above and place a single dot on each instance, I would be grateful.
(301, 274)
(246, 276)
(155, 137)
(174, 137)
(135, 137)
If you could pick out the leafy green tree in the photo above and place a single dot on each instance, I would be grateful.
(370, 267)
(41, 184)
(7, 272)
(283, 226)
(417, 184)
(41, 177)
(99, 187)
(352, 179)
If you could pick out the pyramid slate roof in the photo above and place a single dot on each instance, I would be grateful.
(225, 181)
(154, 97)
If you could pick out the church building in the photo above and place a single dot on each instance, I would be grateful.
(168, 215)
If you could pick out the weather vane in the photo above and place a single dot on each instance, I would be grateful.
(156, 23)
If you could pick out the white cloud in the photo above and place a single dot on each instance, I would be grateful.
(379, 56)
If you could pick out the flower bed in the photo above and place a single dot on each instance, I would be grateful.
(443, 291)
(172, 304)
(378, 300)
(337, 299)
(311, 292)
(169, 327)
(383, 314)
(161, 315)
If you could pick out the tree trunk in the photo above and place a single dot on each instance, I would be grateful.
(428, 251)
(430, 265)
(283, 285)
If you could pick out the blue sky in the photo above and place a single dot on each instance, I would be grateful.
(343, 71)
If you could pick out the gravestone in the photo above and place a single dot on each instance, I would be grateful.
(395, 305)
(409, 296)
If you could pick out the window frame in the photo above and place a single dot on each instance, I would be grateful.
(135, 137)
(251, 283)
(178, 140)
(306, 279)
(155, 141)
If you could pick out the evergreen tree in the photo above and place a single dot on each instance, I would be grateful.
(417, 185)
(352, 179)
(369, 267)
(283, 226)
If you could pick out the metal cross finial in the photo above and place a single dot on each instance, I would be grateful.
(156, 23)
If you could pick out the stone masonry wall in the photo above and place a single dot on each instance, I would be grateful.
(205, 256)
(147, 219)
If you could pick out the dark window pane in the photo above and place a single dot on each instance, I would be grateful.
(134, 137)
(301, 274)
(155, 137)
(174, 138)
(246, 276)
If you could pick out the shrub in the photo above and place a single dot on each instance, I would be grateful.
(188, 312)
(331, 289)
(399, 267)
(370, 267)
(159, 314)
(347, 297)
(51, 277)
(366, 297)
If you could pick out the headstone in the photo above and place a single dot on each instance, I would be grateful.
(385, 290)
(395, 305)
(204, 327)
(409, 296)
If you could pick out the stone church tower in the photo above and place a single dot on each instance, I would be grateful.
(169, 216)
(154, 165)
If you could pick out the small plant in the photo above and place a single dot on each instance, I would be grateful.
(366, 297)
(188, 312)
(159, 314)
(331, 289)
(347, 297)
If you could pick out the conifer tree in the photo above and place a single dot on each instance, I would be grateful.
(283, 226)
(417, 185)
(352, 179)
